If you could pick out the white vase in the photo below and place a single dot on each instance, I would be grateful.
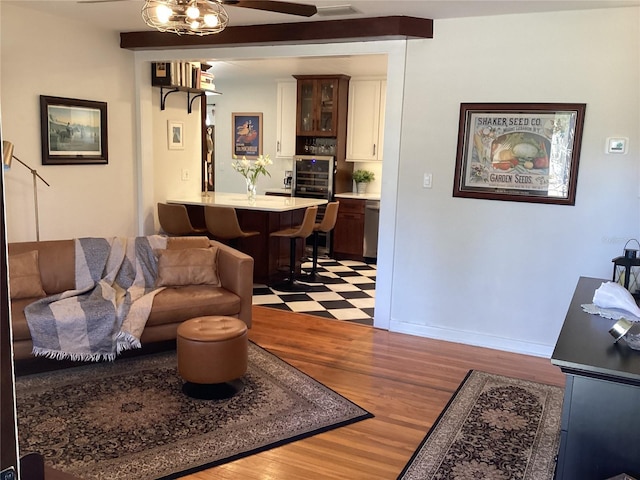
(361, 187)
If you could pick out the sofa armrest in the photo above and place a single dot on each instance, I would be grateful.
(236, 274)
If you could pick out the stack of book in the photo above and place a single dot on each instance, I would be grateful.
(206, 81)
(180, 74)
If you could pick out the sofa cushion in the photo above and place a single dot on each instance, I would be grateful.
(19, 328)
(24, 275)
(177, 304)
(188, 242)
(188, 266)
(57, 263)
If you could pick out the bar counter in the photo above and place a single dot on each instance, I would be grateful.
(267, 214)
(264, 203)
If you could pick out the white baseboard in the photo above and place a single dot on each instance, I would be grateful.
(473, 338)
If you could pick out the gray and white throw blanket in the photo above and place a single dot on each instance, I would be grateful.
(106, 313)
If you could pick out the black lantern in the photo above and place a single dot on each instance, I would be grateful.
(626, 269)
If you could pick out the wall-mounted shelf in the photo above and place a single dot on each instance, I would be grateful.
(172, 77)
(192, 94)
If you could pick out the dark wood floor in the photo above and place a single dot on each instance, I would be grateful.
(405, 381)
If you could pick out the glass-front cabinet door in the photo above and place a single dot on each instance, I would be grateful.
(327, 106)
(317, 107)
(306, 103)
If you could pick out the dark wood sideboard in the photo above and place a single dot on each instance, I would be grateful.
(600, 432)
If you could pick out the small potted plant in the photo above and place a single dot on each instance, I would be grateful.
(362, 179)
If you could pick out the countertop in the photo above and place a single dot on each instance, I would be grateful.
(279, 191)
(352, 195)
(585, 346)
(358, 196)
(267, 203)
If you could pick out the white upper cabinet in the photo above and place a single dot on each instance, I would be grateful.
(365, 122)
(286, 119)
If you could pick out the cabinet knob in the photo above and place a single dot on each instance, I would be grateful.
(374, 148)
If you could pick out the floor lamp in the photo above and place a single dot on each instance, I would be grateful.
(7, 155)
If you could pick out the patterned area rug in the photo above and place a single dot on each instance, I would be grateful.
(130, 420)
(494, 428)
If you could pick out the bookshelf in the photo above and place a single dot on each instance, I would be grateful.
(188, 77)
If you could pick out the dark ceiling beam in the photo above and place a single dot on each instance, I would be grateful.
(377, 28)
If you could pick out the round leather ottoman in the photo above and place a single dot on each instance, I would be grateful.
(212, 356)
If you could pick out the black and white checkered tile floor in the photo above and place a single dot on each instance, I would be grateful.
(352, 299)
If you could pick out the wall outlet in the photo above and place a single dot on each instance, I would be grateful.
(426, 182)
(185, 175)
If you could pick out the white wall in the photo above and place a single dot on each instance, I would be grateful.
(485, 272)
(502, 273)
(246, 96)
(169, 164)
(74, 61)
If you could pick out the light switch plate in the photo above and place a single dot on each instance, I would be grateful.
(617, 145)
(426, 182)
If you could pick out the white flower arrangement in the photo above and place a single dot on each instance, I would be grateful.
(251, 169)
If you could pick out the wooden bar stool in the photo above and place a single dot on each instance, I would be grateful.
(174, 220)
(302, 231)
(222, 223)
(326, 225)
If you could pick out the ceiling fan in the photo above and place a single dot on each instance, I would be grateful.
(288, 8)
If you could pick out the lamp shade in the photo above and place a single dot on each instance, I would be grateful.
(7, 153)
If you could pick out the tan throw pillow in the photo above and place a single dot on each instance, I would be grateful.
(188, 266)
(187, 242)
(24, 275)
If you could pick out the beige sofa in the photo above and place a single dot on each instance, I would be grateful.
(173, 305)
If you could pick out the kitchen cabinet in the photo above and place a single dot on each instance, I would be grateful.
(365, 121)
(322, 101)
(286, 120)
(348, 233)
(321, 122)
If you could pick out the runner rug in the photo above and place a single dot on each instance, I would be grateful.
(494, 428)
(130, 420)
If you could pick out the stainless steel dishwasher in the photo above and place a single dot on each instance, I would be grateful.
(371, 220)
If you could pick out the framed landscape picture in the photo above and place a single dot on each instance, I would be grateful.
(522, 152)
(73, 131)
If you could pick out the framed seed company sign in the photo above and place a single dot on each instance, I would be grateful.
(523, 152)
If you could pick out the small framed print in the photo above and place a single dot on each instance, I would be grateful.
(521, 152)
(175, 135)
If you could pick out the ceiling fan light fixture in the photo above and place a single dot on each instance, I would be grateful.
(193, 12)
(210, 20)
(163, 13)
(191, 17)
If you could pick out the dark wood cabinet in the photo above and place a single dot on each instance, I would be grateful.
(319, 104)
(348, 234)
(600, 426)
(321, 122)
